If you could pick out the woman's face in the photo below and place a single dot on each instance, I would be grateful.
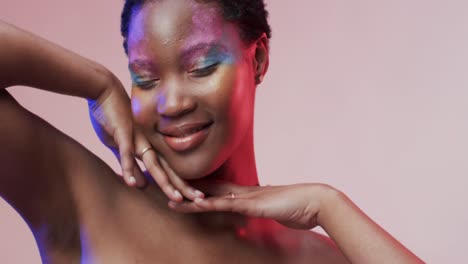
(193, 83)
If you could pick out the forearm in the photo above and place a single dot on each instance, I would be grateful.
(32, 61)
(358, 237)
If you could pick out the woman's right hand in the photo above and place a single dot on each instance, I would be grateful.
(112, 120)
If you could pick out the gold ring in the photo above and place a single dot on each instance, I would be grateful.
(144, 151)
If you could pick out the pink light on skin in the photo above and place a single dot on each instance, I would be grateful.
(176, 59)
(241, 232)
(207, 27)
(206, 22)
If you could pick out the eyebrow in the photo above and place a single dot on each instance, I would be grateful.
(141, 64)
(202, 47)
(185, 55)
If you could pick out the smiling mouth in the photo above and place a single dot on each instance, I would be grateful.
(186, 137)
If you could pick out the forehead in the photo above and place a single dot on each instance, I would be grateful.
(176, 24)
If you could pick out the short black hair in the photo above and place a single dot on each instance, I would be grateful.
(250, 16)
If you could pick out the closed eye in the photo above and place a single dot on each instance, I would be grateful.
(145, 85)
(205, 71)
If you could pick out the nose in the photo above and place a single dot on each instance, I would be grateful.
(173, 102)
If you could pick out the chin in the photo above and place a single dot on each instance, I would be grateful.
(191, 173)
(202, 161)
(195, 166)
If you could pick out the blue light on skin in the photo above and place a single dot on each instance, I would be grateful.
(193, 63)
(86, 254)
(197, 58)
(215, 55)
(137, 79)
(40, 234)
(206, 63)
(136, 107)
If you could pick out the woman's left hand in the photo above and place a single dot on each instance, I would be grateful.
(296, 206)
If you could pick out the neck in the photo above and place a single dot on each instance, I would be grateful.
(240, 168)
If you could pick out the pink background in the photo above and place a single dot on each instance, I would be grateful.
(368, 96)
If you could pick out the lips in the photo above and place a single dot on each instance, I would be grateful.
(187, 136)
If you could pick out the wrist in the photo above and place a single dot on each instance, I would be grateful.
(331, 199)
(108, 83)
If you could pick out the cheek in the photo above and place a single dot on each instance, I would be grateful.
(231, 96)
(240, 103)
(142, 107)
(242, 93)
(218, 93)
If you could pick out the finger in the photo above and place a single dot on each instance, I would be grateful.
(139, 143)
(221, 188)
(124, 140)
(186, 207)
(151, 163)
(181, 185)
(140, 178)
(219, 204)
(225, 204)
(149, 158)
(239, 204)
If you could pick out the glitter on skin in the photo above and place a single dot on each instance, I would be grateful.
(184, 93)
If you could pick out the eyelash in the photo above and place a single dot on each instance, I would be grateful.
(145, 85)
(202, 72)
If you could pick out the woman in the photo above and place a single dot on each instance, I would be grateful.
(195, 66)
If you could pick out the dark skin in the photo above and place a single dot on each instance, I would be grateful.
(84, 211)
(76, 221)
(81, 204)
(196, 70)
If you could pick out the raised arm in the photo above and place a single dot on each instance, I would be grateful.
(29, 60)
(32, 61)
(32, 154)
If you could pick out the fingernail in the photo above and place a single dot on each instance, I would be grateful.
(199, 194)
(172, 204)
(177, 194)
(131, 180)
(198, 200)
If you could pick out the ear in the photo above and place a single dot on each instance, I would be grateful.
(261, 58)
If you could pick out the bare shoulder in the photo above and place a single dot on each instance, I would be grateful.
(45, 175)
(30, 160)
